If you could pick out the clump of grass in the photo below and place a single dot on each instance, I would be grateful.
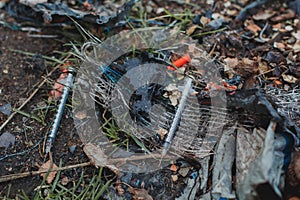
(79, 189)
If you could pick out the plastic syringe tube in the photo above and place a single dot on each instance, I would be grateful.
(177, 117)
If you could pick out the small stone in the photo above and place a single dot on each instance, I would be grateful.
(6, 109)
(5, 71)
(289, 28)
(72, 149)
(7, 139)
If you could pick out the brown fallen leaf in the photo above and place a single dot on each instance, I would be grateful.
(47, 166)
(251, 26)
(119, 188)
(289, 78)
(230, 64)
(81, 114)
(140, 194)
(98, 157)
(296, 46)
(204, 21)
(296, 34)
(293, 174)
(284, 16)
(279, 45)
(191, 30)
(174, 177)
(162, 132)
(264, 15)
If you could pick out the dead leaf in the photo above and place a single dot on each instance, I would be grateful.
(232, 12)
(81, 114)
(47, 166)
(140, 194)
(288, 15)
(289, 78)
(276, 27)
(230, 64)
(264, 15)
(296, 35)
(162, 132)
(191, 30)
(119, 188)
(293, 173)
(279, 45)
(174, 97)
(171, 87)
(277, 82)
(174, 177)
(251, 26)
(296, 46)
(294, 198)
(98, 158)
(204, 21)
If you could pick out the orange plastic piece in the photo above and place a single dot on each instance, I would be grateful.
(181, 61)
(173, 168)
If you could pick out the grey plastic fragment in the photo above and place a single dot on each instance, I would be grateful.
(191, 189)
(223, 160)
(267, 168)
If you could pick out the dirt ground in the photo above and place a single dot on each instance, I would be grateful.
(20, 74)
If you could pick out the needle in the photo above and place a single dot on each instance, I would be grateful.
(176, 120)
(60, 110)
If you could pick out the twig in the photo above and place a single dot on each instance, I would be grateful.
(26, 174)
(32, 94)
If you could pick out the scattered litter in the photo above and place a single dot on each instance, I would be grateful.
(190, 190)
(49, 166)
(7, 140)
(57, 12)
(223, 162)
(6, 109)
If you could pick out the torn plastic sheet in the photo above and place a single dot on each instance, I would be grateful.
(190, 190)
(259, 160)
(267, 169)
(99, 13)
(197, 182)
(223, 162)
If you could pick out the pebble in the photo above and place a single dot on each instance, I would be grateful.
(72, 149)
(7, 139)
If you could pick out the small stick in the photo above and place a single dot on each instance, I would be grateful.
(60, 110)
(177, 116)
(26, 174)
